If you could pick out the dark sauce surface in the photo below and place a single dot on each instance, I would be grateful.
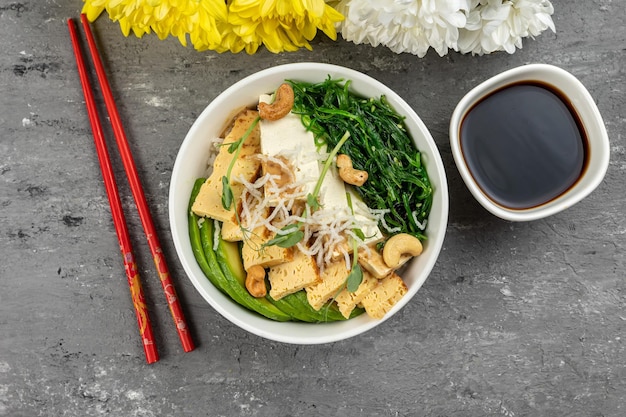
(523, 145)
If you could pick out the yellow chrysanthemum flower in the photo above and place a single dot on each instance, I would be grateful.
(281, 25)
(234, 25)
(177, 18)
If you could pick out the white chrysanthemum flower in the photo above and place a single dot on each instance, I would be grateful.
(404, 25)
(496, 25)
(466, 26)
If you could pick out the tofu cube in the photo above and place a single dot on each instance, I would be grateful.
(347, 301)
(332, 279)
(384, 296)
(372, 261)
(254, 253)
(231, 232)
(293, 276)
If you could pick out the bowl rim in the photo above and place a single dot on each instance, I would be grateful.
(580, 100)
(253, 322)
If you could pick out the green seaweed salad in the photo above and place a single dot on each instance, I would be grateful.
(379, 144)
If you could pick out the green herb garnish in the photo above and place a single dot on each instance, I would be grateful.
(290, 236)
(356, 274)
(354, 278)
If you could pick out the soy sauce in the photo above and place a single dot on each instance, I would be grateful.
(524, 145)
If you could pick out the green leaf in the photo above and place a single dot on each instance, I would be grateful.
(227, 193)
(233, 146)
(354, 278)
(290, 236)
(292, 239)
(312, 202)
(290, 228)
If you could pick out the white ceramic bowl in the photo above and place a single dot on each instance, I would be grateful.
(582, 104)
(191, 163)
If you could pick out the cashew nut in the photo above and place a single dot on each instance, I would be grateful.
(255, 281)
(397, 245)
(283, 102)
(348, 174)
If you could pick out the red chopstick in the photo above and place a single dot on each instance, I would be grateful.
(145, 329)
(138, 194)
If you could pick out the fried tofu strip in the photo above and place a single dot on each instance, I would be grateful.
(208, 203)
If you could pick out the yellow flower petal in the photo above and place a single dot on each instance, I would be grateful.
(92, 11)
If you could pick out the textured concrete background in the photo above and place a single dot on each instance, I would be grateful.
(515, 320)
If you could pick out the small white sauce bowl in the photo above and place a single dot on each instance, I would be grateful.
(191, 163)
(581, 103)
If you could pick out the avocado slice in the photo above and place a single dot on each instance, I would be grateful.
(284, 305)
(220, 280)
(229, 260)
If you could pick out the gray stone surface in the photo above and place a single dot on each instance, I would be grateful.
(521, 319)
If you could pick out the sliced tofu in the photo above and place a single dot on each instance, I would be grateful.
(333, 191)
(371, 232)
(253, 253)
(293, 276)
(333, 196)
(231, 232)
(332, 279)
(384, 296)
(372, 261)
(288, 138)
(283, 179)
(368, 226)
(209, 200)
(347, 301)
